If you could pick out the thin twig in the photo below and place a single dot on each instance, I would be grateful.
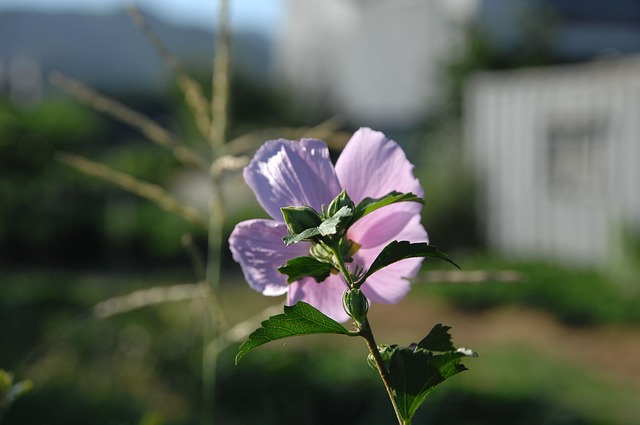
(149, 191)
(192, 91)
(123, 113)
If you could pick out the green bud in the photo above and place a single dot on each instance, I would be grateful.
(299, 219)
(356, 305)
(386, 352)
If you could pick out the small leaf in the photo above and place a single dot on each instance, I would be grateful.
(369, 205)
(397, 251)
(300, 267)
(299, 319)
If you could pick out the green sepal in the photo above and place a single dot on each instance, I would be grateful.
(340, 201)
(299, 319)
(369, 205)
(397, 251)
(300, 267)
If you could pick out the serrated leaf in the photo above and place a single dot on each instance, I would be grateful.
(300, 267)
(414, 374)
(438, 339)
(299, 319)
(397, 251)
(369, 205)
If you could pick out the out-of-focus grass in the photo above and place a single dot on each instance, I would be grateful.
(123, 368)
(579, 297)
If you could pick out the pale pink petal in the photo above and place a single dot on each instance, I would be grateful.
(257, 245)
(389, 285)
(372, 166)
(381, 226)
(285, 173)
(326, 296)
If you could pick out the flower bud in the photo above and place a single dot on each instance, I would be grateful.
(356, 305)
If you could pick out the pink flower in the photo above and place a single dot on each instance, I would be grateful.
(290, 173)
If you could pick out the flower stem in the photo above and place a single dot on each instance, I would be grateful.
(367, 334)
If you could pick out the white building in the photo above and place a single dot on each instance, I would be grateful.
(376, 62)
(557, 152)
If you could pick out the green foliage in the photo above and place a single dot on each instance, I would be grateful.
(397, 251)
(300, 267)
(416, 370)
(299, 319)
(369, 205)
(10, 391)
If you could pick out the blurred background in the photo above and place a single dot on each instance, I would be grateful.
(523, 120)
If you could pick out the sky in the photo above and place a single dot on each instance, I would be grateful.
(262, 15)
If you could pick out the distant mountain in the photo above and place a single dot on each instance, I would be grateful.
(109, 51)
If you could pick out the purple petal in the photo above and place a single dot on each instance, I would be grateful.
(257, 245)
(286, 173)
(326, 296)
(372, 166)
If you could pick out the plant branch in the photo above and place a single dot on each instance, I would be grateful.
(145, 125)
(149, 191)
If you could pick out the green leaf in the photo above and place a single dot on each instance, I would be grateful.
(397, 251)
(415, 371)
(438, 339)
(299, 319)
(300, 267)
(369, 205)
(330, 226)
(414, 374)
(299, 219)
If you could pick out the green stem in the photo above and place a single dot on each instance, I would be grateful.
(367, 334)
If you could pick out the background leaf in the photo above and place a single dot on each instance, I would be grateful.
(299, 319)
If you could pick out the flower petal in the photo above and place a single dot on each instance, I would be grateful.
(257, 245)
(372, 166)
(389, 285)
(289, 173)
(381, 226)
(326, 296)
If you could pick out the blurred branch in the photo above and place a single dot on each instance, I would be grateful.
(150, 191)
(192, 91)
(471, 276)
(220, 80)
(148, 297)
(122, 113)
(195, 255)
